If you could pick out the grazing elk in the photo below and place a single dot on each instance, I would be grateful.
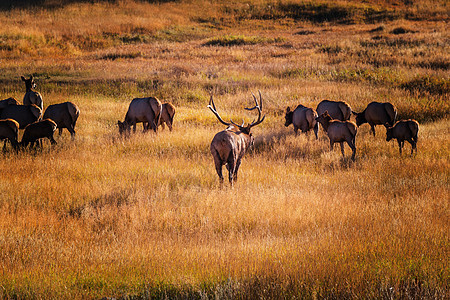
(404, 130)
(23, 114)
(32, 97)
(302, 117)
(65, 115)
(167, 114)
(339, 132)
(338, 110)
(38, 130)
(229, 146)
(377, 113)
(141, 110)
(9, 130)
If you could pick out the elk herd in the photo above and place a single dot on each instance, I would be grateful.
(228, 146)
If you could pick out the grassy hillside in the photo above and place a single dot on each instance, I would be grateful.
(145, 217)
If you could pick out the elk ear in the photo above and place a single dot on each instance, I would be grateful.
(355, 113)
(386, 125)
(23, 78)
(288, 109)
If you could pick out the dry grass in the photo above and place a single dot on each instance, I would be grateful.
(145, 217)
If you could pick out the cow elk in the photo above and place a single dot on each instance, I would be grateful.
(31, 97)
(377, 113)
(339, 132)
(23, 114)
(404, 130)
(338, 110)
(228, 147)
(303, 118)
(65, 115)
(38, 130)
(141, 110)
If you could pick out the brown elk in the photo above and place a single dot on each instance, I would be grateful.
(377, 113)
(31, 97)
(339, 132)
(228, 147)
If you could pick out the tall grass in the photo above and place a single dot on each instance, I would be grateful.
(145, 217)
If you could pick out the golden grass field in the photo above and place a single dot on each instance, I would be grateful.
(145, 217)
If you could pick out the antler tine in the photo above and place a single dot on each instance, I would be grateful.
(256, 102)
(260, 99)
(214, 111)
(259, 107)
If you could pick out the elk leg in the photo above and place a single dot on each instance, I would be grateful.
(295, 130)
(153, 125)
(238, 164)
(218, 164)
(413, 145)
(351, 144)
(71, 130)
(400, 146)
(372, 128)
(52, 140)
(231, 166)
(60, 131)
(342, 148)
(316, 130)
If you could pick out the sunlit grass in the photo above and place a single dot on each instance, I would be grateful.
(145, 216)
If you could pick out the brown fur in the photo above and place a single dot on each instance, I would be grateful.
(141, 110)
(23, 114)
(229, 146)
(31, 97)
(9, 101)
(38, 130)
(9, 130)
(377, 113)
(338, 110)
(65, 115)
(404, 130)
(303, 118)
(339, 132)
(167, 114)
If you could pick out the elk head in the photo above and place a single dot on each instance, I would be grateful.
(29, 83)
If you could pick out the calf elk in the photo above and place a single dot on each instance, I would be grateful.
(228, 147)
(339, 132)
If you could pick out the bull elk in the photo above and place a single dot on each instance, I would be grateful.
(228, 147)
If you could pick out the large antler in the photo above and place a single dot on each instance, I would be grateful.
(214, 110)
(257, 106)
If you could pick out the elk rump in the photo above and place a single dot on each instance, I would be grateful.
(23, 114)
(65, 115)
(303, 118)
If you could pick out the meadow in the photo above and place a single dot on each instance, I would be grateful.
(145, 217)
